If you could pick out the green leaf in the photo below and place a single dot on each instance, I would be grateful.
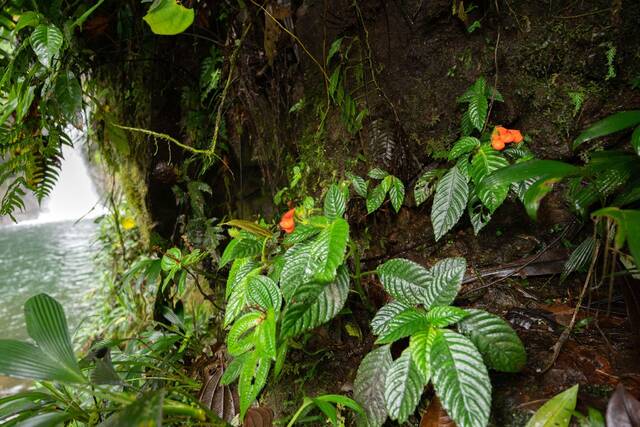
(266, 334)
(464, 145)
(299, 267)
(404, 324)
(579, 258)
(335, 202)
(144, 411)
(241, 336)
(314, 304)
(478, 213)
(264, 292)
(556, 412)
(628, 222)
(328, 250)
(301, 233)
(534, 195)
(396, 193)
(530, 169)
(403, 387)
(375, 198)
(46, 41)
(420, 346)
(28, 19)
(494, 338)
(359, 184)
(449, 202)
(237, 289)
(368, 387)
(167, 17)
(483, 163)
(24, 360)
(380, 322)
(171, 259)
(249, 226)
(405, 280)
(635, 140)
(240, 247)
(423, 188)
(253, 377)
(446, 279)
(377, 173)
(68, 94)
(232, 371)
(460, 379)
(47, 326)
(441, 316)
(611, 124)
(478, 105)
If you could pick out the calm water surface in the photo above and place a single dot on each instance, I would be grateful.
(54, 258)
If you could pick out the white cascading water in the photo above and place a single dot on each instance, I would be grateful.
(74, 195)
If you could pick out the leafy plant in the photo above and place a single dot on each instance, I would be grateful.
(455, 362)
(327, 404)
(279, 289)
(477, 98)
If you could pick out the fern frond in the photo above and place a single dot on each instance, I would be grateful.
(12, 199)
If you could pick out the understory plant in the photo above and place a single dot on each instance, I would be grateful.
(455, 361)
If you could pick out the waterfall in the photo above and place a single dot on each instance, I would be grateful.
(74, 195)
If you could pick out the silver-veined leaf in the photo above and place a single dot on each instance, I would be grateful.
(424, 188)
(380, 322)
(405, 280)
(404, 324)
(420, 346)
(377, 173)
(335, 202)
(485, 161)
(299, 267)
(368, 387)
(460, 379)
(314, 304)
(557, 412)
(478, 213)
(46, 41)
(359, 184)
(449, 201)
(403, 387)
(375, 198)
(445, 281)
(396, 193)
(440, 316)
(464, 145)
(494, 338)
(237, 289)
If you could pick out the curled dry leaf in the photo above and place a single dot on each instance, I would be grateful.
(221, 399)
(623, 409)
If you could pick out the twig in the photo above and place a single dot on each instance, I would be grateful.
(567, 332)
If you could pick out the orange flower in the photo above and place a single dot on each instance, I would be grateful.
(287, 223)
(501, 136)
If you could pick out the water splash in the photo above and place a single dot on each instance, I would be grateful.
(74, 195)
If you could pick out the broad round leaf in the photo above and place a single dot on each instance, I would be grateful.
(460, 379)
(24, 360)
(494, 338)
(449, 201)
(167, 17)
(368, 387)
(403, 387)
(46, 41)
(68, 94)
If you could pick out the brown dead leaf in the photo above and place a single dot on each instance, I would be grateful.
(221, 399)
(436, 416)
(259, 416)
(623, 409)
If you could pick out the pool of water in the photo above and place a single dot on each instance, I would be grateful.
(55, 258)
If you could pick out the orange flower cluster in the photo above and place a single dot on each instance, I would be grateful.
(501, 136)
(287, 223)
